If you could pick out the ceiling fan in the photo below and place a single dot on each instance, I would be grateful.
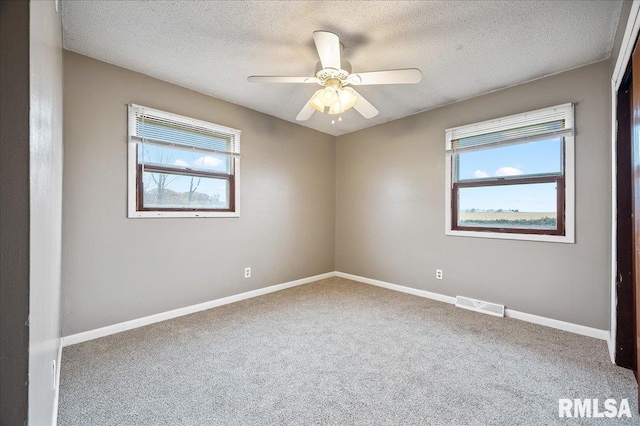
(335, 75)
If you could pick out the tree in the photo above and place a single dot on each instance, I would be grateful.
(161, 180)
(192, 188)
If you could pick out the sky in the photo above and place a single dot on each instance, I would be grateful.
(543, 156)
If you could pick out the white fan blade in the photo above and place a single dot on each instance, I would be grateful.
(364, 107)
(404, 76)
(276, 79)
(328, 45)
(306, 112)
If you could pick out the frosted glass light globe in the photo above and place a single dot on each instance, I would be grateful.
(329, 96)
(347, 98)
(316, 101)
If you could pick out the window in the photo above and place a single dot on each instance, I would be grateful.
(181, 167)
(512, 178)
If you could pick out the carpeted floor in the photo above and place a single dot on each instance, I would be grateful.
(337, 352)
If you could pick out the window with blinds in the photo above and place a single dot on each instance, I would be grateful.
(513, 177)
(181, 167)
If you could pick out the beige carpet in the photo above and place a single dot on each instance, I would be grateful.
(337, 352)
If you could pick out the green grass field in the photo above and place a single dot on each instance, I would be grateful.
(534, 220)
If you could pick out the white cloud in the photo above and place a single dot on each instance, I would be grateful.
(208, 161)
(508, 171)
(480, 174)
(181, 163)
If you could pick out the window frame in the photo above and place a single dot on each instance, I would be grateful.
(176, 171)
(565, 181)
(135, 206)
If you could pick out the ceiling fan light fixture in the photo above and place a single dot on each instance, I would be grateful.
(335, 109)
(330, 96)
(347, 98)
(316, 101)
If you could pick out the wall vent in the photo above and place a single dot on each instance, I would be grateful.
(480, 306)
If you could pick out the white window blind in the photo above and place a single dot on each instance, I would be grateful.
(545, 123)
(151, 126)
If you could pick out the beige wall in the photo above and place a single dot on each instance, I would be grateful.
(390, 212)
(377, 194)
(117, 269)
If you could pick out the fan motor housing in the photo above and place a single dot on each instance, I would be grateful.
(325, 74)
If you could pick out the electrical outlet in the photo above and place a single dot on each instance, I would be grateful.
(247, 272)
(438, 274)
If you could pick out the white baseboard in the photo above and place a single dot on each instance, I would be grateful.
(560, 325)
(56, 394)
(140, 322)
(612, 348)
(400, 288)
(510, 313)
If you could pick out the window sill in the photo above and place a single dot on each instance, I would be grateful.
(159, 214)
(567, 239)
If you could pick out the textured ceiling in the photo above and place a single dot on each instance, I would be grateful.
(463, 48)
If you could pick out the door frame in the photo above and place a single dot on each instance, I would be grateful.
(625, 334)
(624, 57)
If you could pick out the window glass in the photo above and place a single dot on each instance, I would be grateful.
(522, 159)
(164, 190)
(523, 206)
(174, 156)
